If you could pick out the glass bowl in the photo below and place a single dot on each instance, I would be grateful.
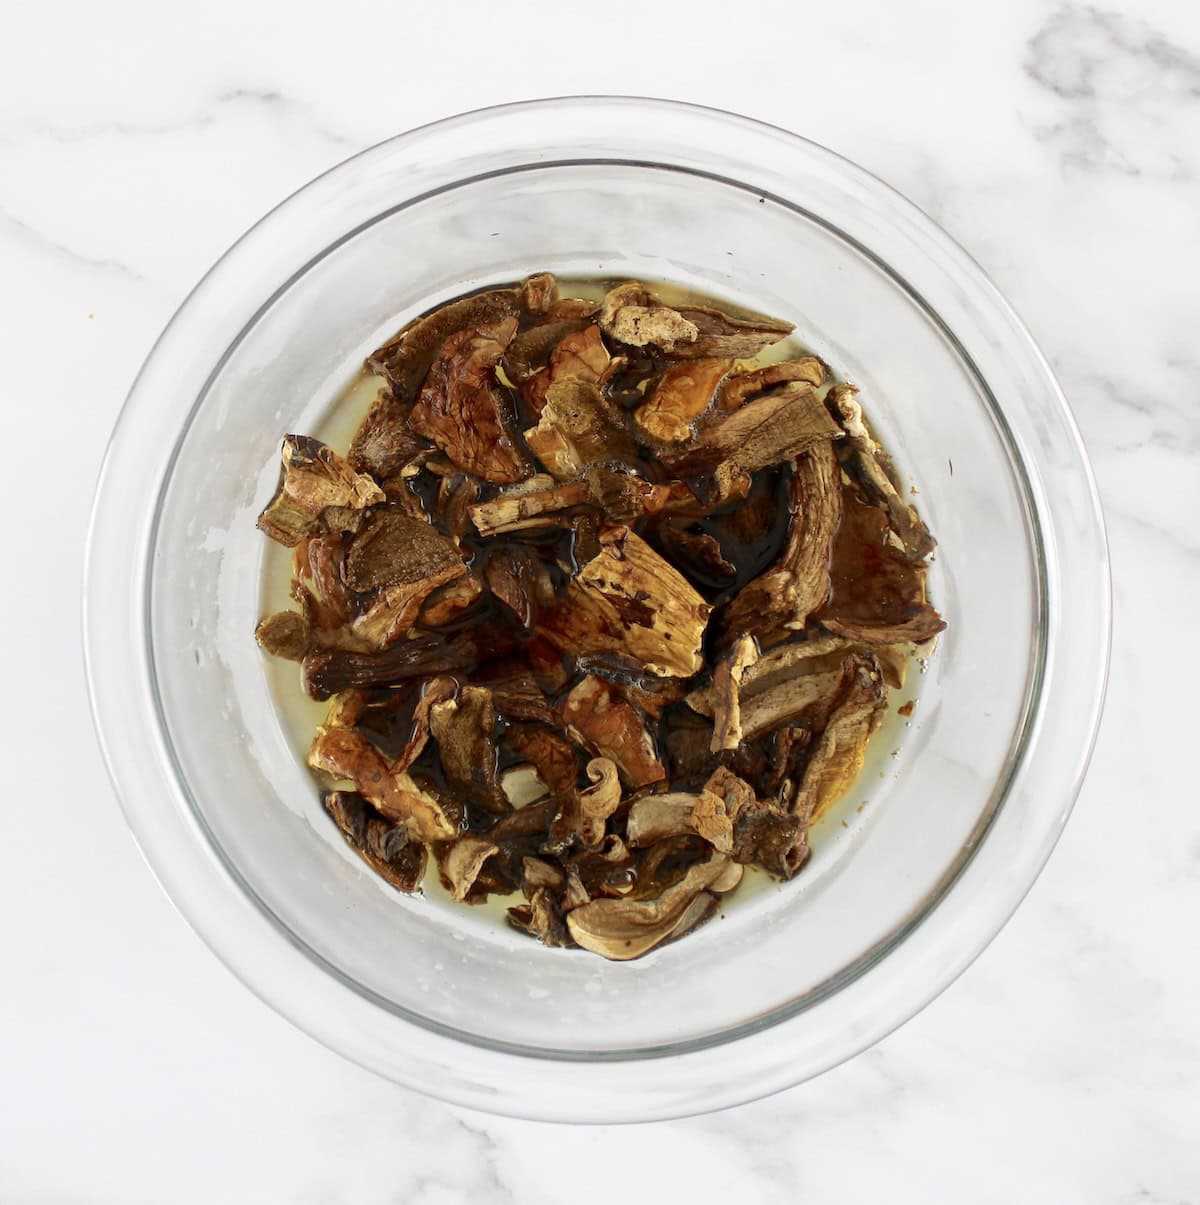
(911, 876)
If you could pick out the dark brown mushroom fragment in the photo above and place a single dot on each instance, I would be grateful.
(682, 394)
(459, 865)
(798, 583)
(385, 847)
(330, 670)
(520, 579)
(765, 836)
(313, 478)
(521, 508)
(446, 604)
(406, 358)
(542, 918)
(461, 409)
(597, 714)
(698, 553)
(538, 293)
(465, 730)
(384, 442)
(877, 594)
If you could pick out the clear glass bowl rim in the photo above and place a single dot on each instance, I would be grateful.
(785, 1048)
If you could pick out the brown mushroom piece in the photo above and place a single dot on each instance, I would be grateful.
(682, 394)
(459, 865)
(347, 755)
(284, 634)
(868, 465)
(837, 757)
(579, 355)
(407, 357)
(384, 442)
(598, 802)
(877, 594)
(764, 835)
(555, 759)
(447, 603)
(631, 314)
(783, 685)
(528, 505)
(628, 600)
(538, 293)
(435, 691)
(465, 730)
(397, 562)
(698, 553)
(330, 670)
(519, 579)
(579, 427)
(621, 929)
(739, 388)
(313, 478)
(385, 847)
(597, 714)
(798, 583)
(461, 409)
(727, 679)
(654, 818)
(515, 691)
(542, 918)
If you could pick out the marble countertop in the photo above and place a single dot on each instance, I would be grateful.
(1059, 143)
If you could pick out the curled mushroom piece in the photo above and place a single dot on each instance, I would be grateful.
(578, 427)
(313, 478)
(284, 634)
(727, 679)
(598, 802)
(682, 394)
(579, 355)
(742, 386)
(460, 863)
(465, 730)
(621, 929)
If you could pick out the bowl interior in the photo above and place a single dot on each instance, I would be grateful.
(882, 859)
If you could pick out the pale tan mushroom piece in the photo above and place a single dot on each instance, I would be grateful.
(580, 355)
(621, 929)
(513, 510)
(284, 634)
(460, 862)
(628, 600)
(313, 478)
(578, 427)
(465, 730)
(347, 755)
(598, 802)
(654, 818)
(739, 388)
(727, 678)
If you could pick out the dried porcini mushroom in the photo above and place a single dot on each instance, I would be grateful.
(313, 478)
(461, 409)
(606, 607)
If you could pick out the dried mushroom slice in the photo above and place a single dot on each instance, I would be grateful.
(435, 691)
(347, 755)
(386, 848)
(529, 350)
(330, 670)
(556, 760)
(742, 386)
(460, 864)
(726, 701)
(837, 758)
(384, 442)
(447, 603)
(460, 407)
(519, 509)
(621, 929)
(520, 579)
(313, 478)
(655, 818)
(627, 600)
(542, 918)
(578, 428)
(465, 730)
(798, 583)
(538, 293)
(580, 355)
(393, 549)
(877, 594)
(632, 315)
(406, 358)
(868, 466)
(600, 718)
(683, 393)
(765, 836)
(598, 802)
(774, 429)
(698, 553)
(284, 634)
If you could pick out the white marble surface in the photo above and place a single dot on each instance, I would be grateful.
(1059, 143)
